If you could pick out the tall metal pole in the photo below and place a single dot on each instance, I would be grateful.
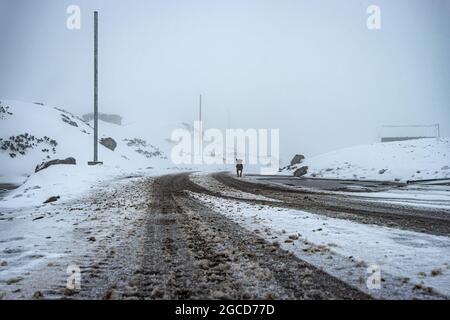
(201, 128)
(95, 86)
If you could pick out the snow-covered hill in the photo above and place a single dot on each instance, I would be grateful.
(419, 159)
(32, 133)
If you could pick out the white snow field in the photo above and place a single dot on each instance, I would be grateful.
(411, 263)
(43, 133)
(419, 159)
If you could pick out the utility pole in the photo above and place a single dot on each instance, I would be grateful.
(95, 162)
(201, 128)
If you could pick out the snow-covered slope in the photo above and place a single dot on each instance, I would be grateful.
(407, 160)
(33, 133)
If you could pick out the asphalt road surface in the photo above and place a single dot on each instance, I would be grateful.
(188, 251)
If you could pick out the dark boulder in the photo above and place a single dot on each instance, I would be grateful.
(109, 143)
(297, 159)
(47, 164)
(52, 199)
(301, 172)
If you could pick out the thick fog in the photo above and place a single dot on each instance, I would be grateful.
(310, 68)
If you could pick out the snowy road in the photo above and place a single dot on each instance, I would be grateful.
(354, 206)
(189, 236)
(191, 251)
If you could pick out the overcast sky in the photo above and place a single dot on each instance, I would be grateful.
(310, 68)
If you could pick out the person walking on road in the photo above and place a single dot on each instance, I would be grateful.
(239, 167)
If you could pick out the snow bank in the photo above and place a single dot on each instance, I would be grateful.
(419, 159)
(62, 180)
(37, 245)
